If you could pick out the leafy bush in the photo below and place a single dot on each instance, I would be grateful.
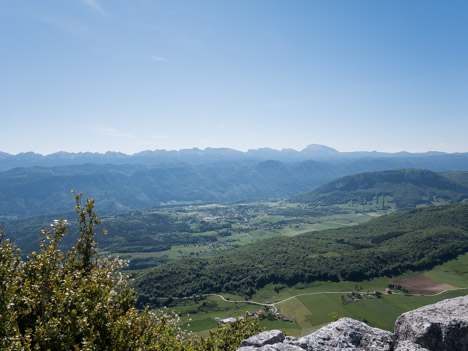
(76, 300)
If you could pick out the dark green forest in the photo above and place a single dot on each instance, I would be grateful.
(128, 232)
(412, 240)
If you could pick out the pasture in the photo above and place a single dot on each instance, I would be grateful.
(310, 305)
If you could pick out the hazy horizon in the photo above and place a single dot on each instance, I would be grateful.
(243, 151)
(100, 75)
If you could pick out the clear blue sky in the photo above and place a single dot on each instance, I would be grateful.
(99, 75)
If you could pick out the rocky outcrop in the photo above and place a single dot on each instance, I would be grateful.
(275, 347)
(441, 326)
(265, 338)
(438, 327)
(273, 340)
(409, 346)
(344, 334)
(348, 334)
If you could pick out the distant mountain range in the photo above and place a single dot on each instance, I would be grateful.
(153, 178)
(399, 188)
(197, 156)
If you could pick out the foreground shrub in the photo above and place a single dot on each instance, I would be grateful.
(76, 300)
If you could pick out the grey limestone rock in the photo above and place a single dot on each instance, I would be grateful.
(293, 341)
(439, 327)
(409, 346)
(273, 340)
(265, 338)
(348, 334)
(274, 347)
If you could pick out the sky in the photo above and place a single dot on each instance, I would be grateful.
(128, 76)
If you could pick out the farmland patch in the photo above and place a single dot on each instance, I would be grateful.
(423, 285)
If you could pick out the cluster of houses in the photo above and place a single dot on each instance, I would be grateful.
(356, 296)
(253, 314)
(256, 314)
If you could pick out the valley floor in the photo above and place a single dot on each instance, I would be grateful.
(306, 308)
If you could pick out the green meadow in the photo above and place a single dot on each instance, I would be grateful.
(310, 305)
(254, 222)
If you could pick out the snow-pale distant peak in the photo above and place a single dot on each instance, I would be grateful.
(319, 149)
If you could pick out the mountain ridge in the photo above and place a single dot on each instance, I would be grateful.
(197, 156)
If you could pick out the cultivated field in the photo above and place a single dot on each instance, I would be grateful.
(233, 226)
(423, 285)
(314, 302)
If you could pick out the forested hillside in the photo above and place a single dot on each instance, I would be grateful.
(36, 190)
(457, 177)
(399, 188)
(411, 240)
(127, 232)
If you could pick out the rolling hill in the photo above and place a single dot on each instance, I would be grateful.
(28, 191)
(399, 188)
(391, 244)
(38, 190)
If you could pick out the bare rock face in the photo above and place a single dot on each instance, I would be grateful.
(272, 340)
(409, 346)
(266, 338)
(439, 327)
(344, 334)
(275, 347)
(348, 334)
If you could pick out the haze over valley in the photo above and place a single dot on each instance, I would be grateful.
(208, 213)
(41, 184)
(249, 165)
